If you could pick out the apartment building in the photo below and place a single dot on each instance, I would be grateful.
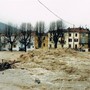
(41, 42)
(30, 42)
(75, 38)
(17, 45)
(78, 38)
(3, 42)
(62, 39)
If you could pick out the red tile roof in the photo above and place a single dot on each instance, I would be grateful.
(80, 30)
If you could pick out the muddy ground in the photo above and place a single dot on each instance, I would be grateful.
(62, 69)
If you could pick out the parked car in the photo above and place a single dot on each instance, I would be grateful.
(81, 50)
(3, 49)
(21, 49)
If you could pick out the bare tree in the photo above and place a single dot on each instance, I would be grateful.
(11, 35)
(56, 30)
(40, 30)
(60, 30)
(25, 35)
(52, 26)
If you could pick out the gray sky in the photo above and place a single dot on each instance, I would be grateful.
(74, 11)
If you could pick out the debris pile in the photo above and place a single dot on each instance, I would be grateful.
(52, 69)
(7, 64)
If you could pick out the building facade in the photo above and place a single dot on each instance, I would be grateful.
(78, 38)
(75, 38)
(61, 39)
(41, 42)
(17, 45)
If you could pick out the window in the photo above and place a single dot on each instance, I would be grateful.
(76, 34)
(70, 40)
(69, 45)
(76, 46)
(43, 38)
(50, 38)
(69, 34)
(28, 46)
(3, 45)
(14, 46)
(83, 34)
(50, 46)
(44, 44)
(75, 40)
(83, 44)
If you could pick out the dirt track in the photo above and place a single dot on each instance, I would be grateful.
(63, 69)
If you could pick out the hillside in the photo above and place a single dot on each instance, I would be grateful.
(2, 27)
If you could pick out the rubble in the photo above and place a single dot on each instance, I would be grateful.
(59, 69)
(37, 81)
(4, 65)
(7, 65)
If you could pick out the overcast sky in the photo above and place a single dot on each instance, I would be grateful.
(16, 11)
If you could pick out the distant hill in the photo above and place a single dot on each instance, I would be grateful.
(2, 26)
